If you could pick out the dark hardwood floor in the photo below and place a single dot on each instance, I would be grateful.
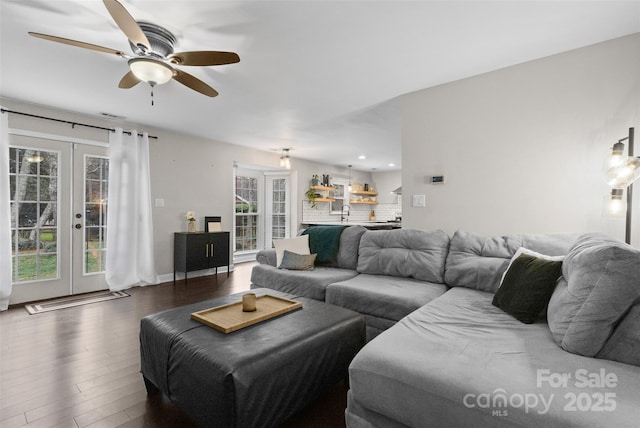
(79, 367)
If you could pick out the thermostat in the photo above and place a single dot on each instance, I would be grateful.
(435, 179)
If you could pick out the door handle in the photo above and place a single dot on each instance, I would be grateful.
(207, 250)
(211, 250)
(78, 226)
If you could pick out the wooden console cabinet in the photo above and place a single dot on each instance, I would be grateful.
(200, 250)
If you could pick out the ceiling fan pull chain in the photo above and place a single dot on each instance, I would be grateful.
(152, 85)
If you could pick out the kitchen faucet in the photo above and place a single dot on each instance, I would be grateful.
(342, 216)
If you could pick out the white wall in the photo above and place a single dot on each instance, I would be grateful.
(385, 183)
(522, 148)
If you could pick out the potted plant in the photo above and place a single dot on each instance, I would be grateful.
(311, 196)
(315, 180)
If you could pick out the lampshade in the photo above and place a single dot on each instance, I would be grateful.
(616, 206)
(624, 174)
(617, 156)
(285, 160)
(151, 70)
(37, 158)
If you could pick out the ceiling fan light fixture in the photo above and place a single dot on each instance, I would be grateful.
(151, 70)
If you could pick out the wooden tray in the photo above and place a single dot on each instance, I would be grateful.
(231, 317)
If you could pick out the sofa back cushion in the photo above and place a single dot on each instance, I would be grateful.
(349, 245)
(478, 262)
(601, 283)
(405, 253)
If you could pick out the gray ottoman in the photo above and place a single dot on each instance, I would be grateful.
(255, 377)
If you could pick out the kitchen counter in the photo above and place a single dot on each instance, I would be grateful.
(374, 225)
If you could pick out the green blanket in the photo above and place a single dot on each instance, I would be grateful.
(325, 242)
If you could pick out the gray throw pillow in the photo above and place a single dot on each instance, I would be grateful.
(293, 261)
(601, 283)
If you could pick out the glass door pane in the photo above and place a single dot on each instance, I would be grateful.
(91, 178)
(96, 174)
(34, 215)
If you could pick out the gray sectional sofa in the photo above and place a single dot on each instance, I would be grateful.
(440, 354)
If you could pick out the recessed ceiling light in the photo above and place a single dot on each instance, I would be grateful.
(361, 157)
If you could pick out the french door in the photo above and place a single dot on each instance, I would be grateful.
(58, 194)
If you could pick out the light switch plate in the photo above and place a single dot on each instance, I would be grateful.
(159, 202)
(418, 200)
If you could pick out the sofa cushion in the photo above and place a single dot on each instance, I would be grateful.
(404, 253)
(624, 343)
(527, 287)
(601, 283)
(478, 262)
(454, 361)
(349, 245)
(305, 283)
(383, 296)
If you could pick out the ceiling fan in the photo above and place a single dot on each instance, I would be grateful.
(153, 60)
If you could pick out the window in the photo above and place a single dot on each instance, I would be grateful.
(278, 219)
(246, 213)
(341, 195)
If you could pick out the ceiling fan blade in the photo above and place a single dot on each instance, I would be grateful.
(77, 43)
(127, 24)
(129, 80)
(194, 83)
(203, 58)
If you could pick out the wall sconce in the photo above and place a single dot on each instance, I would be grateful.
(621, 173)
(285, 160)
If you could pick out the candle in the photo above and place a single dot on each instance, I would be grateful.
(249, 302)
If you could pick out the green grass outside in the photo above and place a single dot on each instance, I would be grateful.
(26, 265)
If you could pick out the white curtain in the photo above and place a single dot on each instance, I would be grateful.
(5, 215)
(130, 260)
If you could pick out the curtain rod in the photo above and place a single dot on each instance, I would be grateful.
(73, 124)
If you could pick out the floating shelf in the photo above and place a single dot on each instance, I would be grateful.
(363, 192)
(324, 200)
(363, 202)
(322, 188)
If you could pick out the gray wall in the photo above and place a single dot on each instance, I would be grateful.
(522, 148)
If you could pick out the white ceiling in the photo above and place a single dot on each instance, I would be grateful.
(320, 77)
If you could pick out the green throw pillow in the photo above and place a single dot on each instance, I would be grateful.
(527, 287)
(293, 261)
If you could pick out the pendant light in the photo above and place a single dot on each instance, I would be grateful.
(285, 160)
(350, 188)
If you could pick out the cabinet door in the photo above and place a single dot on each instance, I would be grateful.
(220, 246)
(198, 251)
